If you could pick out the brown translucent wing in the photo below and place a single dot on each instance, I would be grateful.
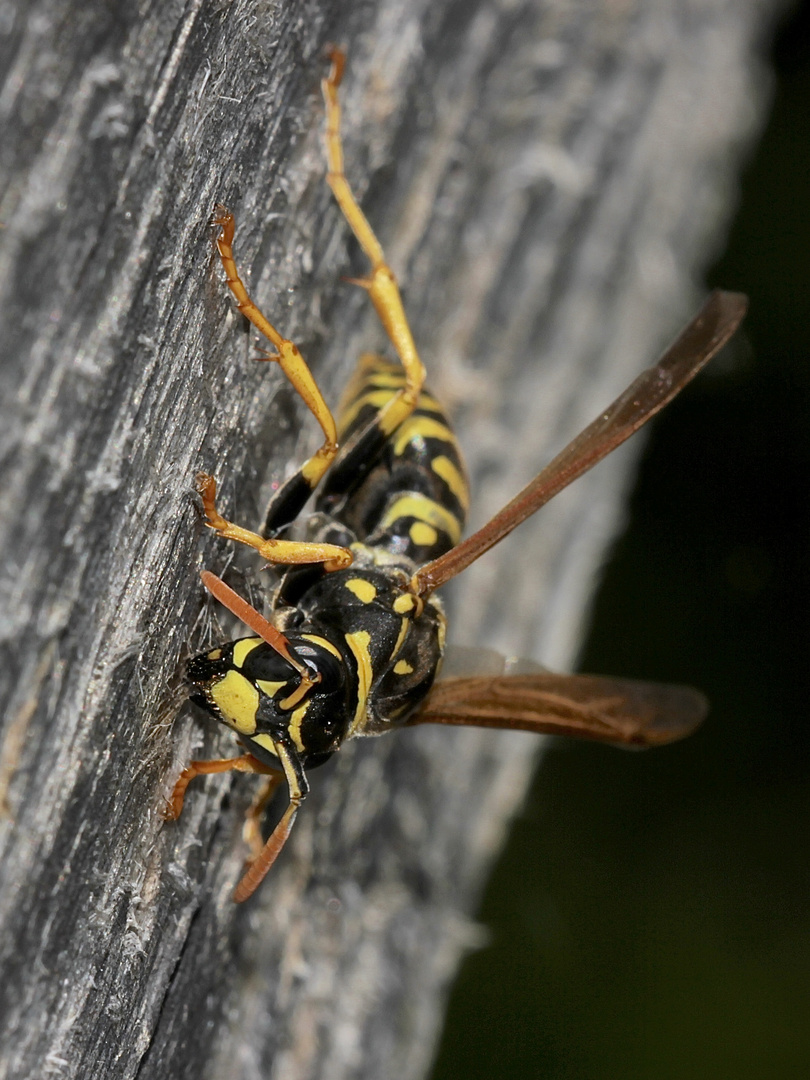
(652, 390)
(618, 711)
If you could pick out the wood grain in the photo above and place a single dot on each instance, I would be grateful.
(550, 180)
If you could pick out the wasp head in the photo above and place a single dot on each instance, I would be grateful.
(252, 688)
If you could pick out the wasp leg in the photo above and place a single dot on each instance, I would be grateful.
(244, 763)
(299, 789)
(381, 284)
(290, 498)
(252, 831)
(288, 552)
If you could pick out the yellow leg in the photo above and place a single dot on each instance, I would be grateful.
(287, 552)
(297, 783)
(381, 283)
(252, 832)
(244, 763)
(288, 355)
(263, 855)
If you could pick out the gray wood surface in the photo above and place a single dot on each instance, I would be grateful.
(551, 180)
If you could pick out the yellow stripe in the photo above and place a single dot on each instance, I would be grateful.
(243, 648)
(316, 640)
(424, 427)
(294, 726)
(359, 642)
(270, 688)
(454, 479)
(403, 631)
(237, 700)
(423, 509)
(402, 667)
(378, 398)
(266, 742)
(393, 378)
(423, 535)
(405, 603)
(370, 362)
(429, 404)
(362, 589)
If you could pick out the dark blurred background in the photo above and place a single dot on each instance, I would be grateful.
(649, 917)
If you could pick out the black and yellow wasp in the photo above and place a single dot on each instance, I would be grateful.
(357, 635)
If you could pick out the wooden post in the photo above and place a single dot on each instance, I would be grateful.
(550, 181)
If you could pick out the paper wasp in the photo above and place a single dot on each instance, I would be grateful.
(357, 635)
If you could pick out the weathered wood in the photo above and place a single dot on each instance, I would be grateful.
(550, 180)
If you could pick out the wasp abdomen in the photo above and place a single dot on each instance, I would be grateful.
(407, 492)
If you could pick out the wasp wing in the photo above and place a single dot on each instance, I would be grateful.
(620, 711)
(705, 335)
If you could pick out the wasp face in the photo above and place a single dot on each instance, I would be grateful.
(250, 687)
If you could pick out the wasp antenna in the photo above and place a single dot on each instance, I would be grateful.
(257, 622)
